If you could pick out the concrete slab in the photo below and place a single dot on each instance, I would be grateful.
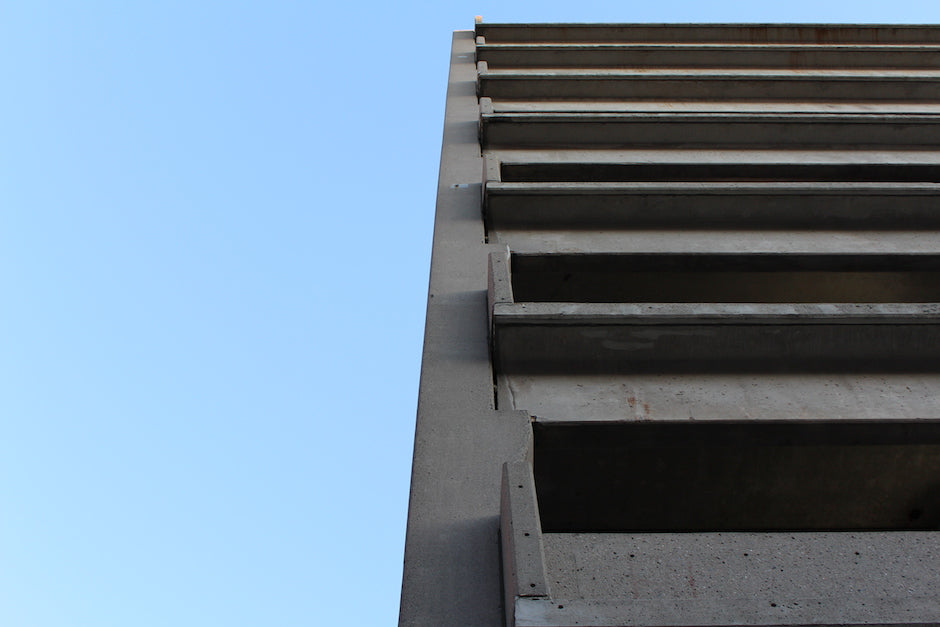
(716, 397)
(698, 130)
(698, 55)
(715, 241)
(699, 33)
(740, 579)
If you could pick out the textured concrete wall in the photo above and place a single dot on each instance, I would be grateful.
(452, 564)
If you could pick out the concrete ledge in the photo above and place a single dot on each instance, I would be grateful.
(750, 336)
(834, 578)
(557, 55)
(691, 130)
(561, 612)
(711, 85)
(708, 314)
(719, 348)
(717, 397)
(676, 205)
(705, 106)
(681, 338)
(876, 34)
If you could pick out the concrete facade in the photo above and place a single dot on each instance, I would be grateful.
(682, 352)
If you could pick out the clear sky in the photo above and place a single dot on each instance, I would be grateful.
(215, 228)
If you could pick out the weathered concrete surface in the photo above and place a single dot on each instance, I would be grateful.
(697, 55)
(558, 338)
(521, 537)
(730, 396)
(742, 579)
(452, 564)
(697, 130)
(716, 241)
(694, 205)
(687, 84)
(769, 155)
(713, 33)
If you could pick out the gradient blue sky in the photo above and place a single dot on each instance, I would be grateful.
(215, 228)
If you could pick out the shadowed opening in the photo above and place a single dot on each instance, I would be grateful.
(738, 476)
(714, 172)
(726, 278)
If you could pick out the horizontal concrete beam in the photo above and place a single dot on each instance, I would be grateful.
(634, 171)
(712, 314)
(730, 106)
(553, 55)
(726, 320)
(737, 344)
(711, 84)
(710, 130)
(676, 205)
(612, 155)
(714, 33)
(721, 579)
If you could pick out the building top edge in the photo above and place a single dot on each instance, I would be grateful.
(590, 25)
(706, 32)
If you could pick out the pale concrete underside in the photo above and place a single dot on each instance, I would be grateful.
(615, 397)
(743, 578)
(724, 241)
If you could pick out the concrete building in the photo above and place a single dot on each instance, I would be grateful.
(682, 354)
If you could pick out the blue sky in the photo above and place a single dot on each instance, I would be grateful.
(215, 229)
